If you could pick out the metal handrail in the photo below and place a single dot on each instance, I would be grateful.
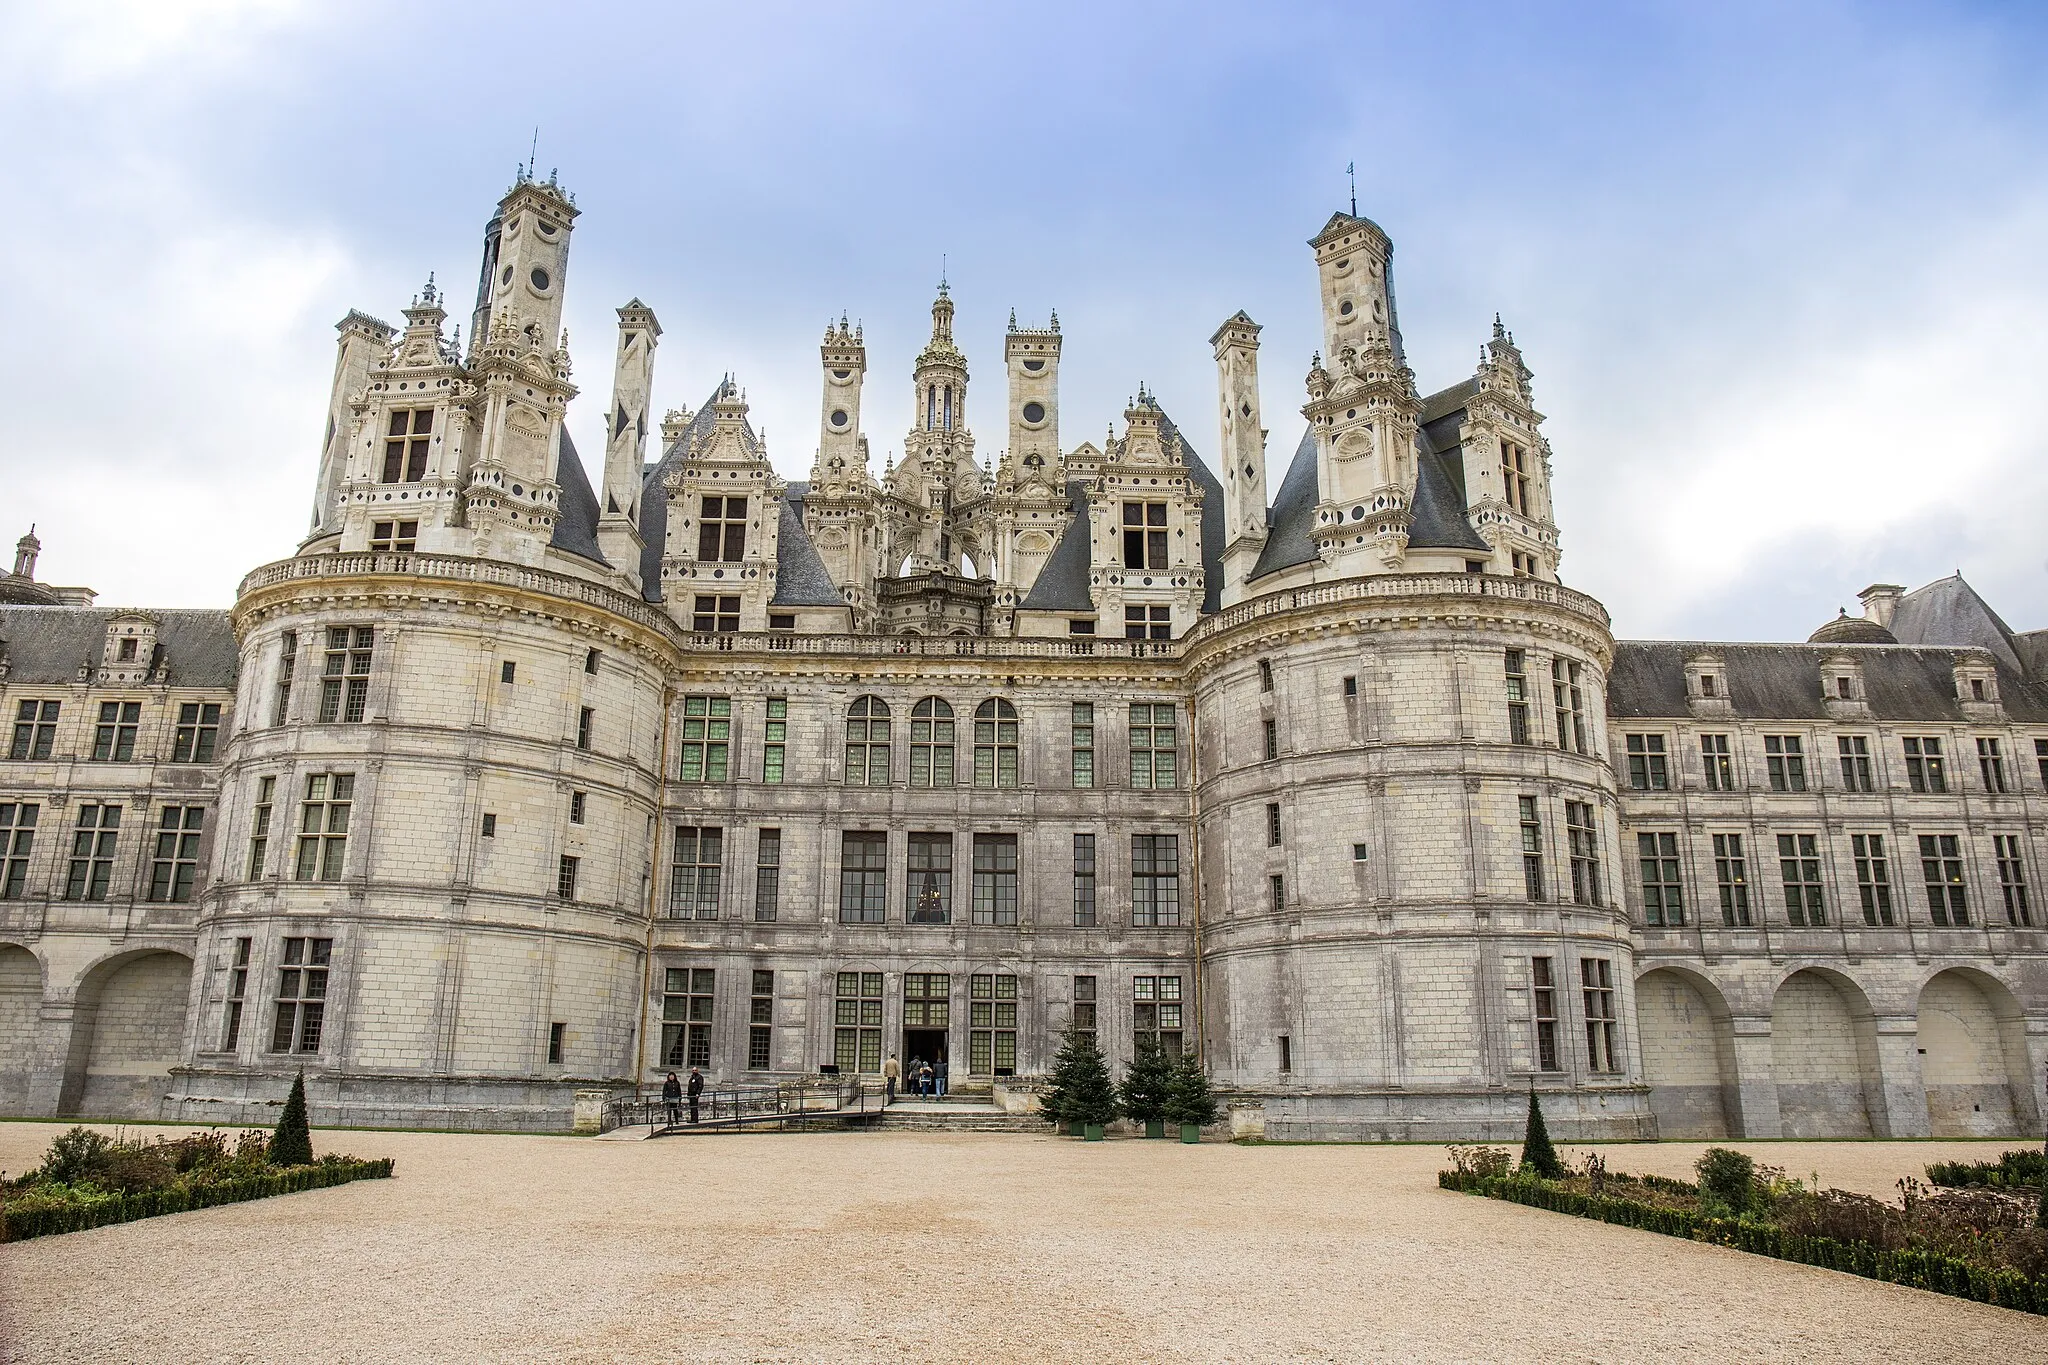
(735, 1107)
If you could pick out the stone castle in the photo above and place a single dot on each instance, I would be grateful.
(513, 784)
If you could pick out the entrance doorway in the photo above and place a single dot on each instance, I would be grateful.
(923, 1045)
(926, 1014)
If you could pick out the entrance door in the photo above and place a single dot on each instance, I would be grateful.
(927, 1009)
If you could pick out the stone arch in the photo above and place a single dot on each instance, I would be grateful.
(1824, 1058)
(1973, 1063)
(127, 1032)
(21, 1003)
(1688, 1042)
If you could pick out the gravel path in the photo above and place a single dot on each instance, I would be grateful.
(951, 1247)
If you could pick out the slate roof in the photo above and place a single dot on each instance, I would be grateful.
(1291, 522)
(576, 527)
(1062, 584)
(1948, 611)
(1852, 630)
(1212, 516)
(801, 579)
(1783, 681)
(1436, 514)
(47, 644)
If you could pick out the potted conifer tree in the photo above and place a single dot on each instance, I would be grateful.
(1190, 1100)
(1144, 1091)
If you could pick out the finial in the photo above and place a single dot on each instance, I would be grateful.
(1499, 332)
(1055, 319)
(1351, 169)
(1013, 319)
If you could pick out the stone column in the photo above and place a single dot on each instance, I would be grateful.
(1899, 1110)
(1756, 1081)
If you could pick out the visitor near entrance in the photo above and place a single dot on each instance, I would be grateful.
(939, 1078)
(672, 1096)
(696, 1089)
(891, 1070)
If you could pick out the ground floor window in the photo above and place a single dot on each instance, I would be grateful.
(1156, 1014)
(992, 1025)
(1602, 1027)
(1084, 1006)
(301, 995)
(686, 1004)
(1543, 1007)
(761, 1022)
(857, 1022)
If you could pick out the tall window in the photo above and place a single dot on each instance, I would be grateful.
(1084, 881)
(1924, 769)
(687, 997)
(1155, 880)
(1532, 847)
(1276, 893)
(567, 870)
(928, 890)
(174, 863)
(1518, 697)
(1272, 824)
(237, 993)
(2012, 878)
(17, 842)
(863, 878)
(323, 826)
(1731, 874)
(995, 744)
(715, 614)
(1991, 763)
(1663, 900)
(586, 727)
(1156, 1015)
(927, 1000)
(1718, 762)
(992, 1025)
(761, 1022)
(931, 744)
(301, 995)
(694, 872)
(287, 665)
(1799, 869)
(1084, 744)
(114, 739)
(767, 875)
(1153, 743)
(345, 675)
(35, 729)
(1785, 763)
(1269, 730)
(394, 537)
(1543, 1009)
(857, 1022)
(1873, 878)
(1854, 751)
(579, 806)
(1514, 476)
(1084, 1007)
(259, 827)
(995, 879)
(774, 739)
(867, 743)
(722, 530)
(92, 852)
(1570, 700)
(406, 438)
(2041, 758)
(1602, 1027)
(707, 739)
(1265, 675)
(1584, 841)
(1648, 769)
(1941, 867)
(198, 732)
(1145, 535)
(1148, 623)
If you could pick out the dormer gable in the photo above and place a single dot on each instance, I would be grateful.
(128, 650)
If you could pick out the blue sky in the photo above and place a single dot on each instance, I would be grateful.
(1779, 269)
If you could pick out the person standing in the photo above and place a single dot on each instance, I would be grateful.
(696, 1089)
(924, 1079)
(939, 1078)
(672, 1097)
(892, 1069)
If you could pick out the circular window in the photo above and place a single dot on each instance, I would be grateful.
(1345, 308)
(1357, 513)
(839, 417)
(1034, 365)
(517, 491)
(841, 374)
(540, 280)
(1350, 413)
(1034, 412)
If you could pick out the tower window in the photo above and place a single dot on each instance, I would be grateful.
(716, 615)
(1148, 622)
(394, 537)
(406, 439)
(722, 530)
(176, 864)
(1514, 476)
(1518, 697)
(1144, 535)
(345, 674)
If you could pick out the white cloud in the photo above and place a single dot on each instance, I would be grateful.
(82, 43)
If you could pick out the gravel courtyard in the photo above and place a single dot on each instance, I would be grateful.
(950, 1247)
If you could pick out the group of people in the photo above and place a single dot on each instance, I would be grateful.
(672, 1092)
(925, 1079)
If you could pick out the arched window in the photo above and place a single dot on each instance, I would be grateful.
(995, 744)
(867, 743)
(931, 744)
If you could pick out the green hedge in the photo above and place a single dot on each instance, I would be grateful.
(18, 1224)
(2023, 1168)
(1919, 1269)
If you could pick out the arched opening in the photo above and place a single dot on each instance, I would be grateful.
(21, 999)
(1973, 1058)
(126, 1035)
(1824, 1058)
(1688, 1055)
(967, 569)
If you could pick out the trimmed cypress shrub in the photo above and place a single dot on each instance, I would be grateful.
(1537, 1153)
(292, 1144)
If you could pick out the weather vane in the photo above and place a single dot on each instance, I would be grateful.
(1350, 169)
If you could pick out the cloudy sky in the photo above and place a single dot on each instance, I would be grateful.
(1778, 268)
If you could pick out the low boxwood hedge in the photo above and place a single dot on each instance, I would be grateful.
(38, 1216)
(2023, 1168)
(1919, 1269)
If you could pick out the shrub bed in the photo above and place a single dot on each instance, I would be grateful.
(88, 1180)
(2021, 1169)
(1967, 1246)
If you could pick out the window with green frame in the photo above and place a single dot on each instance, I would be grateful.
(992, 1025)
(707, 739)
(773, 737)
(857, 1022)
(1153, 744)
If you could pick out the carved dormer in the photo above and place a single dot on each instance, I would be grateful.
(1842, 692)
(1706, 686)
(1976, 679)
(724, 521)
(128, 650)
(1145, 530)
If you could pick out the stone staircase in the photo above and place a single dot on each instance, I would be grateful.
(957, 1113)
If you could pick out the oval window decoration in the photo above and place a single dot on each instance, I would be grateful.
(506, 278)
(1034, 365)
(1345, 308)
(1034, 412)
(547, 229)
(540, 280)
(839, 417)
(841, 374)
